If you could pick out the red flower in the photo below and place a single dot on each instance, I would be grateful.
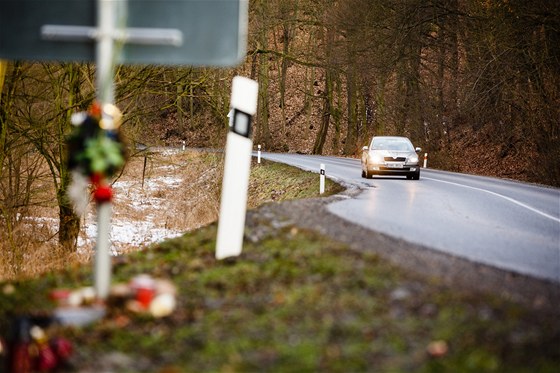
(103, 193)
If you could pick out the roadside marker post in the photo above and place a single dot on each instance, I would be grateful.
(239, 148)
(425, 160)
(259, 155)
(322, 179)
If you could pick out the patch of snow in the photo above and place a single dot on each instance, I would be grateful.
(132, 233)
(126, 233)
(162, 182)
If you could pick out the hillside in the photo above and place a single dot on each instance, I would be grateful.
(473, 84)
(295, 300)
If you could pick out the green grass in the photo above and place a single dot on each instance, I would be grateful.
(297, 302)
(272, 181)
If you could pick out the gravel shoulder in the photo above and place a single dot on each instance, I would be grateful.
(453, 272)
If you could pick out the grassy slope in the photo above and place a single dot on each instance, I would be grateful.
(295, 301)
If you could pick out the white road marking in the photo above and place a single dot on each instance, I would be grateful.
(501, 196)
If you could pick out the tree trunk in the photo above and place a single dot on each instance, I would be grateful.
(6, 102)
(351, 133)
(179, 108)
(288, 12)
(69, 222)
(411, 118)
(368, 113)
(327, 94)
(326, 115)
(284, 69)
(263, 112)
(336, 112)
(263, 131)
(452, 109)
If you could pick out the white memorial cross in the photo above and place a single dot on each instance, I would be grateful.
(106, 35)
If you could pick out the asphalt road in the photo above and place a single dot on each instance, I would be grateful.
(509, 225)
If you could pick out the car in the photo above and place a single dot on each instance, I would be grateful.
(391, 155)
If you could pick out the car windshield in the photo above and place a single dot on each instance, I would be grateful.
(391, 144)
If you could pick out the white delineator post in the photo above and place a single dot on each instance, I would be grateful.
(259, 155)
(239, 148)
(322, 179)
(425, 160)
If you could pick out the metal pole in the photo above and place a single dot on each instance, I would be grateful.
(106, 21)
(102, 254)
(106, 16)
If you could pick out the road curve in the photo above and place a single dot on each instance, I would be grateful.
(510, 225)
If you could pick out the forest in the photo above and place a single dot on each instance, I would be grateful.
(474, 83)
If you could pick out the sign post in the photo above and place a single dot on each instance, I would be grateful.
(239, 147)
(106, 16)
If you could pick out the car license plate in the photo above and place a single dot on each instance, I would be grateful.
(394, 165)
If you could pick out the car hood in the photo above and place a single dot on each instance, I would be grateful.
(392, 153)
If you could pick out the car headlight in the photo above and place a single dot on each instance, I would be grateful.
(412, 159)
(375, 158)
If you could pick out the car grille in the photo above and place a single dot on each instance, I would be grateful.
(398, 159)
(394, 169)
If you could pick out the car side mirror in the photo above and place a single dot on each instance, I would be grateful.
(365, 149)
(418, 150)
